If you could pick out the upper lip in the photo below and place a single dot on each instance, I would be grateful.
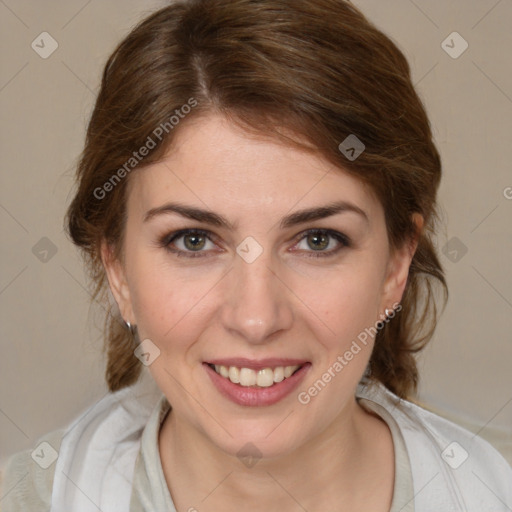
(257, 364)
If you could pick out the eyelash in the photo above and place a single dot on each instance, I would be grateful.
(168, 239)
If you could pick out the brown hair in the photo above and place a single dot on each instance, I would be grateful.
(319, 70)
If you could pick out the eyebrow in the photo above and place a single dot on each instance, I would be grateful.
(295, 218)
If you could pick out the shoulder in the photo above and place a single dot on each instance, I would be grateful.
(447, 459)
(103, 439)
(27, 479)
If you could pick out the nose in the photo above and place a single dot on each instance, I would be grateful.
(257, 303)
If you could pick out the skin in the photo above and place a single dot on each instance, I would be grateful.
(284, 304)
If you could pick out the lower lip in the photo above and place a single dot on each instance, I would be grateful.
(255, 397)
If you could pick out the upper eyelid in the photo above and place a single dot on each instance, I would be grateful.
(183, 232)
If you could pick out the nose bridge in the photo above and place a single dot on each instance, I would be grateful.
(256, 303)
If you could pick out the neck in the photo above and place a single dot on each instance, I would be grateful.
(339, 465)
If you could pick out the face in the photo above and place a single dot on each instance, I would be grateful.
(254, 256)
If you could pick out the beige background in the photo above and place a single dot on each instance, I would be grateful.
(50, 364)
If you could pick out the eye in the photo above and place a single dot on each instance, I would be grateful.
(194, 243)
(324, 242)
(188, 242)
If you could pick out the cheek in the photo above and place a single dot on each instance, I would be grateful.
(168, 302)
(344, 301)
(347, 304)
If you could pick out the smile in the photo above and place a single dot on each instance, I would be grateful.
(261, 383)
(248, 377)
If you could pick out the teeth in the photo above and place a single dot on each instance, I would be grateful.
(248, 377)
(265, 378)
(234, 374)
(279, 374)
(288, 370)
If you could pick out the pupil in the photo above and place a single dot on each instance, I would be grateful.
(197, 241)
(315, 238)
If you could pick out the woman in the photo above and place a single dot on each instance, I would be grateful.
(257, 193)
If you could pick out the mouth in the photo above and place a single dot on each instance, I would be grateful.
(255, 378)
(256, 383)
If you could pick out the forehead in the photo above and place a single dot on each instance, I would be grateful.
(215, 164)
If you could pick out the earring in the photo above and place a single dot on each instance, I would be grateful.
(131, 328)
(387, 312)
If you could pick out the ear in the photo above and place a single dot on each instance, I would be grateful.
(398, 267)
(117, 281)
